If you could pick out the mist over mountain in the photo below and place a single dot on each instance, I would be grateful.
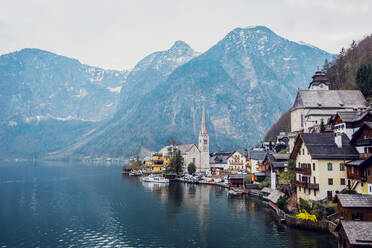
(247, 80)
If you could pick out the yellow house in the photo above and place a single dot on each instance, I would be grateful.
(320, 164)
(158, 162)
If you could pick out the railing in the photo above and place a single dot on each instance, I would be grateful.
(305, 171)
(307, 185)
(356, 177)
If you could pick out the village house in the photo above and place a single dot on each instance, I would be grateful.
(359, 172)
(218, 161)
(354, 207)
(320, 164)
(318, 104)
(158, 162)
(237, 161)
(354, 234)
(275, 163)
(349, 122)
(258, 169)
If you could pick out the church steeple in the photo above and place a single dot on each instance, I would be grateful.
(203, 127)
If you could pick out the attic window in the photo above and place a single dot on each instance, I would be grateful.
(341, 104)
(319, 104)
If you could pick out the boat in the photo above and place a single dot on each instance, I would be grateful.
(235, 191)
(135, 173)
(155, 179)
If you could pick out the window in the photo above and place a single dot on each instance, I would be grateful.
(341, 167)
(193, 160)
(303, 151)
(357, 216)
(329, 166)
(369, 172)
(299, 189)
(330, 181)
(352, 170)
(342, 182)
(314, 192)
(205, 142)
(313, 166)
(314, 180)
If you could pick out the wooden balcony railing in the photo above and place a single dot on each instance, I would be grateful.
(304, 171)
(308, 185)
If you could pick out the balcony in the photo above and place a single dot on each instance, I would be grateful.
(307, 185)
(356, 177)
(304, 171)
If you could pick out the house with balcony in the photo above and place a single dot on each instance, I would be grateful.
(158, 163)
(349, 122)
(237, 161)
(218, 161)
(320, 164)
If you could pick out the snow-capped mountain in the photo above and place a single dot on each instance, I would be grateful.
(247, 80)
(37, 84)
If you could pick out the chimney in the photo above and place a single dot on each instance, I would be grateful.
(338, 140)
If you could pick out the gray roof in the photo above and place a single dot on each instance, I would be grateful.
(355, 200)
(357, 232)
(323, 146)
(273, 194)
(185, 148)
(258, 155)
(347, 116)
(281, 156)
(329, 99)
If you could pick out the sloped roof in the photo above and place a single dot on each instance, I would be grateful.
(281, 156)
(258, 155)
(357, 232)
(355, 200)
(323, 146)
(185, 148)
(366, 124)
(329, 99)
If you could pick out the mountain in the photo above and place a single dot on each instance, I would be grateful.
(153, 70)
(39, 84)
(48, 100)
(247, 80)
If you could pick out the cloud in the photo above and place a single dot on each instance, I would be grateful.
(118, 33)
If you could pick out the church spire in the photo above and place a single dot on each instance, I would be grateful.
(203, 128)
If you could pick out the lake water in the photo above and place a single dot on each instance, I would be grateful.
(77, 205)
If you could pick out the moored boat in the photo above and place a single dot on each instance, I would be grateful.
(155, 179)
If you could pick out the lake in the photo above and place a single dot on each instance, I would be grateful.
(89, 205)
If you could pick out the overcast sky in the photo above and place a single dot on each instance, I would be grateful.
(118, 33)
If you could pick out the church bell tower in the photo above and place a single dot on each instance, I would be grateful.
(204, 144)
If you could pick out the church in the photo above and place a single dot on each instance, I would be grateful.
(198, 155)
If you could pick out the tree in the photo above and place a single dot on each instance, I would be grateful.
(136, 163)
(191, 168)
(364, 78)
(176, 163)
(322, 126)
(172, 141)
(287, 179)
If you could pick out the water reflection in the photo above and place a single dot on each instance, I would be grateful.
(90, 206)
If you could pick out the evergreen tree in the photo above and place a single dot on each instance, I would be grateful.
(176, 163)
(191, 168)
(364, 79)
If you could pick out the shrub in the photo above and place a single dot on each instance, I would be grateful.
(282, 203)
(264, 183)
(304, 215)
(305, 205)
